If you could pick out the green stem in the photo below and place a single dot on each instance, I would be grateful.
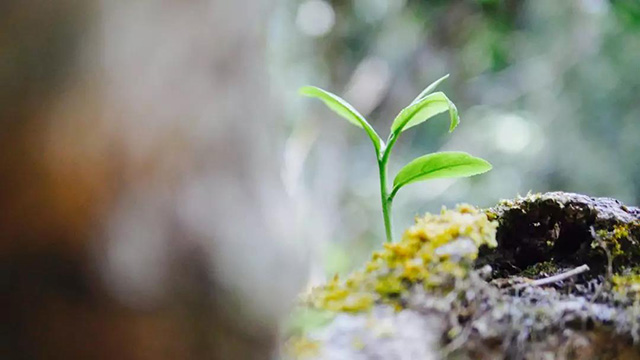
(386, 202)
(393, 193)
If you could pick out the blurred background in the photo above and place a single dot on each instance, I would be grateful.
(548, 92)
(165, 192)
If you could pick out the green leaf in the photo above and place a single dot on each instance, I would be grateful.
(429, 89)
(426, 108)
(344, 109)
(440, 165)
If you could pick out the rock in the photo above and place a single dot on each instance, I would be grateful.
(501, 310)
(562, 227)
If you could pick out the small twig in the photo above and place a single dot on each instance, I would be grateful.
(555, 278)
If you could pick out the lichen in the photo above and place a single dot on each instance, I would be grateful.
(433, 253)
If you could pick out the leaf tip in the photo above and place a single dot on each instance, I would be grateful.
(455, 117)
(306, 90)
(489, 167)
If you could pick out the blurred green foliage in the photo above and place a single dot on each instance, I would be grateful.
(548, 91)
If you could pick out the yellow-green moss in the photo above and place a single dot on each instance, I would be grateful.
(494, 213)
(627, 287)
(530, 197)
(491, 215)
(301, 347)
(615, 238)
(433, 252)
(545, 268)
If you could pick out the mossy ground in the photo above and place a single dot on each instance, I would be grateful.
(440, 270)
(433, 253)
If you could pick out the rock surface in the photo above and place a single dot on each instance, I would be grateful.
(501, 310)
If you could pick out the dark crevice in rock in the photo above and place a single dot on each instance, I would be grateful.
(558, 227)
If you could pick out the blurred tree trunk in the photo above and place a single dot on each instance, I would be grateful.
(141, 212)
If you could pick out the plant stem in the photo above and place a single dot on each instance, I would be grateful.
(386, 201)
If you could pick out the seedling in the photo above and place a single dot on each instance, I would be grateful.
(449, 164)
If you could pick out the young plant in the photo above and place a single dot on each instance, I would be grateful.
(449, 164)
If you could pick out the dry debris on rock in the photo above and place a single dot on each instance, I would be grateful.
(506, 304)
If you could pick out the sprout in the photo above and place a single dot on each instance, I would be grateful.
(448, 164)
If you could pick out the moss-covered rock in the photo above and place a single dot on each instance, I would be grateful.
(462, 300)
(434, 253)
(566, 229)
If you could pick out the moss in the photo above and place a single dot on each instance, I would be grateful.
(541, 269)
(491, 215)
(358, 344)
(304, 319)
(529, 198)
(539, 236)
(560, 227)
(433, 253)
(627, 287)
(301, 347)
(621, 241)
